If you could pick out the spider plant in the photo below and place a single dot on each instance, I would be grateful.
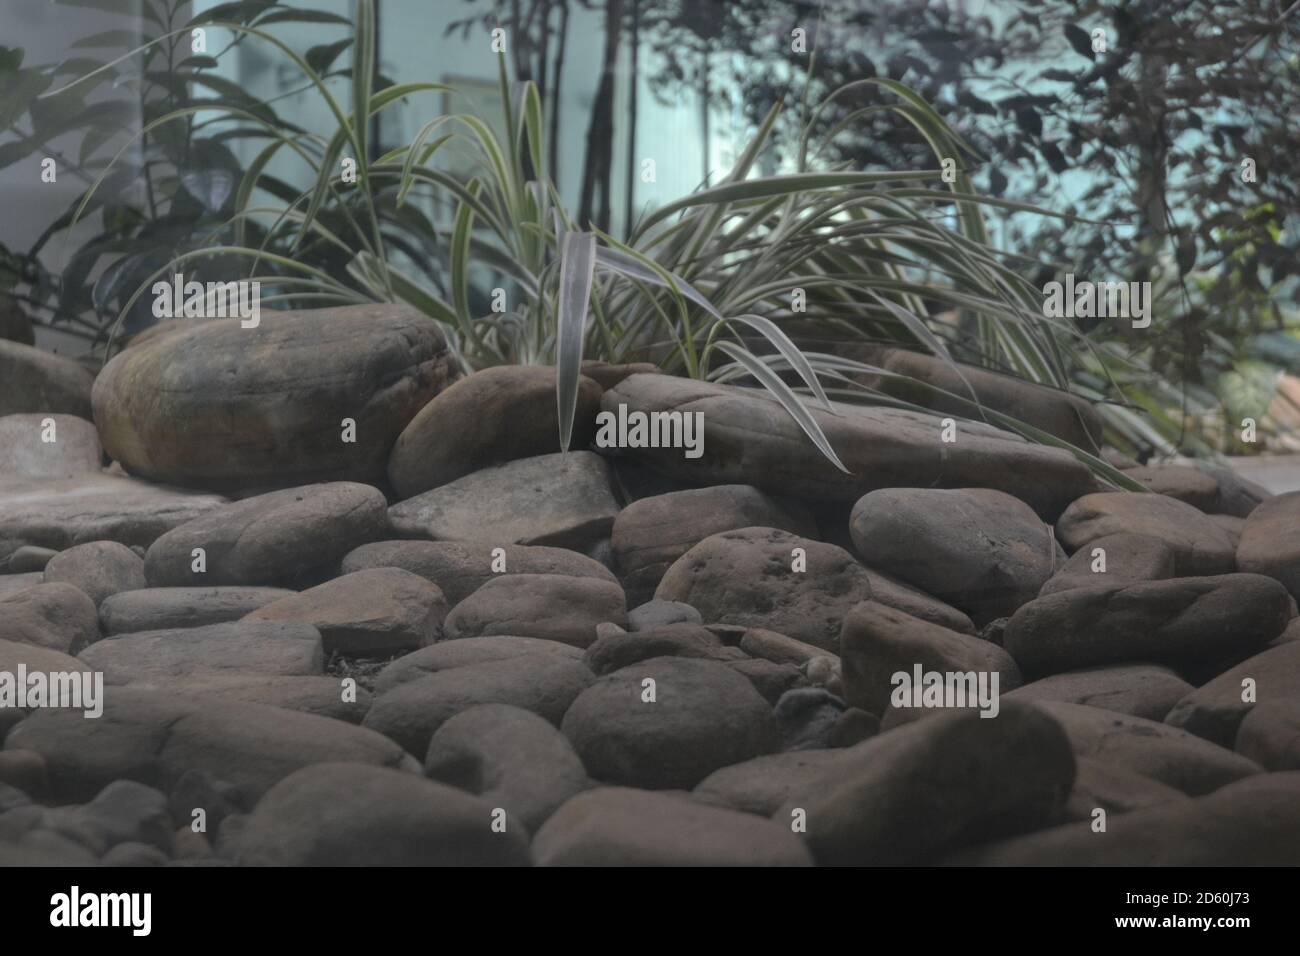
(703, 285)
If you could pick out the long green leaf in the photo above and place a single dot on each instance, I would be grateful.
(577, 266)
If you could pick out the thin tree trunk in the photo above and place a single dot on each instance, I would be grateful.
(600, 131)
(629, 200)
(555, 89)
(520, 44)
(704, 112)
(543, 50)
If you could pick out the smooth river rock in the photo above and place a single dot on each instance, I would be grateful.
(562, 500)
(513, 410)
(373, 613)
(748, 578)
(38, 445)
(157, 609)
(750, 439)
(225, 407)
(70, 511)
(981, 550)
(1200, 546)
(1270, 541)
(39, 381)
(280, 537)
(651, 533)
(460, 568)
(1182, 622)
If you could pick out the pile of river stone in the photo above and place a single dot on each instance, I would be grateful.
(351, 607)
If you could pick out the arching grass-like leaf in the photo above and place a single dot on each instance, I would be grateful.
(577, 266)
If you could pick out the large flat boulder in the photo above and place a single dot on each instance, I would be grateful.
(448, 655)
(225, 407)
(750, 439)
(929, 381)
(551, 606)
(1116, 559)
(410, 712)
(101, 507)
(563, 499)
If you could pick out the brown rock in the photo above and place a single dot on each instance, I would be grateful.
(913, 793)
(878, 642)
(1182, 622)
(1270, 734)
(1155, 750)
(24, 452)
(513, 410)
(282, 537)
(550, 606)
(747, 578)
(99, 568)
(1187, 484)
(222, 406)
(460, 568)
(1140, 690)
(651, 533)
(59, 514)
(56, 616)
(1215, 710)
(1200, 546)
(981, 550)
(1270, 542)
(924, 380)
(1129, 558)
(750, 439)
(40, 381)
(374, 613)
(561, 499)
